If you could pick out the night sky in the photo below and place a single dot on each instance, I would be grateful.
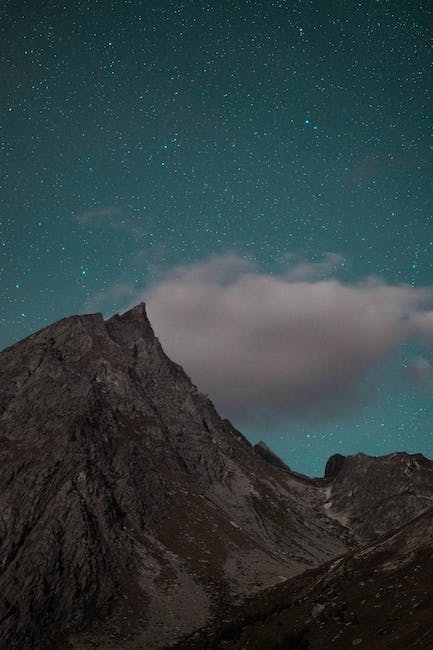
(280, 154)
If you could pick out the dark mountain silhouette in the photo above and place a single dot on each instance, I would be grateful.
(132, 515)
(263, 450)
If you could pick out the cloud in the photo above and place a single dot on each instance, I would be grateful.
(288, 343)
(315, 270)
(420, 371)
(373, 166)
(422, 325)
(114, 218)
(98, 215)
(117, 294)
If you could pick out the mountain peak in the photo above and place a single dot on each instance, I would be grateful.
(130, 326)
(334, 465)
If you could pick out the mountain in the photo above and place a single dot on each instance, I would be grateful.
(131, 513)
(132, 516)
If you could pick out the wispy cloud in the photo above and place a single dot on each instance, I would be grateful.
(420, 371)
(116, 296)
(114, 218)
(98, 215)
(329, 265)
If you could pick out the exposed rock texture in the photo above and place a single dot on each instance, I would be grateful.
(378, 598)
(372, 496)
(131, 514)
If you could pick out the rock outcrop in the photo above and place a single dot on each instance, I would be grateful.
(372, 496)
(334, 464)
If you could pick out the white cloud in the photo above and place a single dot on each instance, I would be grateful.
(258, 342)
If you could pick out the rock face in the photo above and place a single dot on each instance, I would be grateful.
(131, 514)
(373, 496)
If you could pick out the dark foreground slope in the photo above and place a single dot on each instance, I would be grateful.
(130, 513)
(379, 598)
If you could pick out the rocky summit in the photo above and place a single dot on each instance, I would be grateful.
(133, 517)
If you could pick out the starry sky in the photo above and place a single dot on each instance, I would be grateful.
(244, 143)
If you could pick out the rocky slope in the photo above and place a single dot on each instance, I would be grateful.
(131, 514)
(378, 598)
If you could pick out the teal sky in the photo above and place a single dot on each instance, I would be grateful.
(137, 136)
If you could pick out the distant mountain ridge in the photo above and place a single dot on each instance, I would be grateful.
(132, 515)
